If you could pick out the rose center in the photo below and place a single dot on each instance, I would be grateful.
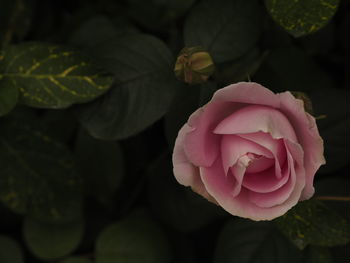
(258, 163)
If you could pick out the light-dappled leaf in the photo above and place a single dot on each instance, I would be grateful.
(37, 172)
(76, 260)
(50, 76)
(227, 28)
(144, 87)
(133, 240)
(8, 97)
(312, 222)
(301, 17)
(101, 164)
(52, 241)
(176, 205)
(10, 251)
(243, 241)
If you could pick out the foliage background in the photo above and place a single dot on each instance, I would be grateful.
(90, 108)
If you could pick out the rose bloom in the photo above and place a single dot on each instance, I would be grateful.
(253, 152)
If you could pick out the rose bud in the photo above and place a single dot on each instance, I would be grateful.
(194, 65)
(253, 152)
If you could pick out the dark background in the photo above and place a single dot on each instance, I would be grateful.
(94, 180)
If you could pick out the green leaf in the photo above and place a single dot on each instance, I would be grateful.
(8, 97)
(76, 260)
(144, 89)
(243, 241)
(37, 172)
(102, 165)
(292, 69)
(52, 241)
(316, 254)
(15, 20)
(302, 17)
(50, 76)
(132, 240)
(186, 101)
(10, 251)
(240, 69)
(155, 14)
(176, 205)
(98, 29)
(227, 29)
(311, 222)
(335, 128)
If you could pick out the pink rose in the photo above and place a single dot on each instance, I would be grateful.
(253, 152)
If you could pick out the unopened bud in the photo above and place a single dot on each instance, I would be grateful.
(194, 65)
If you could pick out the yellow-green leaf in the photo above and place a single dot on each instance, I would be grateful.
(311, 222)
(301, 17)
(51, 76)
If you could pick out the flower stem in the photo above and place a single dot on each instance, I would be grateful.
(333, 198)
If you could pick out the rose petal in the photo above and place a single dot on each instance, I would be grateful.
(216, 184)
(266, 181)
(276, 146)
(233, 147)
(200, 144)
(247, 92)
(186, 173)
(310, 140)
(237, 173)
(257, 118)
(279, 194)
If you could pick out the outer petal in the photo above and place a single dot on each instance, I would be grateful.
(186, 173)
(249, 93)
(256, 118)
(200, 144)
(305, 127)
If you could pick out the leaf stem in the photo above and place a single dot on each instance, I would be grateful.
(333, 198)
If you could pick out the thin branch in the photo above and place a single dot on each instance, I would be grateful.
(333, 198)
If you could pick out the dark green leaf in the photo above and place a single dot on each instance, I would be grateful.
(292, 69)
(316, 254)
(243, 241)
(241, 69)
(77, 260)
(50, 76)
(335, 128)
(155, 14)
(8, 97)
(37, 173)
(143, 68)
(99, 29)
(133, 240)
(311, 222)
(335, 186)
(184, 104)
(102, 165)
(176, 205)
(227, 29)
(15, 19)
(10, 251)
(52, 241)
(302, 17)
